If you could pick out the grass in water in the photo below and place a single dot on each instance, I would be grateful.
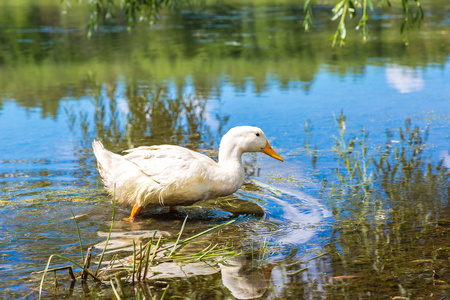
(389, 198)
(143, 258)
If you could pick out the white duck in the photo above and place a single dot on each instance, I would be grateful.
(168, 175)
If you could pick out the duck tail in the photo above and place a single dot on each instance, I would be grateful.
(107, 162)
(121, 177)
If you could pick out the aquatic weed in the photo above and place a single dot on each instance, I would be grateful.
(389, 204)
(140, 263)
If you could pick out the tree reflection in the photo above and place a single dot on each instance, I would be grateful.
(45, 54)
(127, 115)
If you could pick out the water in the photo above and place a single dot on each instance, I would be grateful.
(186, 81)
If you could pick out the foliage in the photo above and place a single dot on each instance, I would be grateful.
(130, 11)
(348, 9)
(133, 11)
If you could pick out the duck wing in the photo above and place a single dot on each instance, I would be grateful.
(167, 164)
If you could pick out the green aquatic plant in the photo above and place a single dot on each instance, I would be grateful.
(141, 260)
(313, 153)
(369, 177)
(260, 252)
(109, 236)
(390, 204)
(79, 235)
(86, 265)
(353, 159)
(352, 180)
(404, 234)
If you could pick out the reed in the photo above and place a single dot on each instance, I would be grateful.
(79, 235)
(109, 234)
(142, 259)
(386, 196)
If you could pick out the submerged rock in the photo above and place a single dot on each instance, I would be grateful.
(233, 205)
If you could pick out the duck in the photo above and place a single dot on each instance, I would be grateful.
(169, 175)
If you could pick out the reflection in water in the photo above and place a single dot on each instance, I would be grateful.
(404, 79)
(152, 117)
(185, 82)
(237, 273)
(243, 281)
(216, 43)
(123, 241)
(445, 156)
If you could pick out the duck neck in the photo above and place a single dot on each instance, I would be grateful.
(230, 156)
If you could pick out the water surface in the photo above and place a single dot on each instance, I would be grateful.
(186, 81)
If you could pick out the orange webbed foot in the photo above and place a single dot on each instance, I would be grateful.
(134, 212)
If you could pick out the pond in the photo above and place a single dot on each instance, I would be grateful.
(358, 209)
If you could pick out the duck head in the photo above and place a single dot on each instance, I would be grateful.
(247, 139)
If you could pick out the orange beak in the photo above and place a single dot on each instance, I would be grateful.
(269, 151)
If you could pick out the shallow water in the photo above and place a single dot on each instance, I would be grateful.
(186, 81)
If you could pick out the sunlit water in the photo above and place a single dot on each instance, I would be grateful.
(48, 121)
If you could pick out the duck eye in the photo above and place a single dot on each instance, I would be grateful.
(257, 134)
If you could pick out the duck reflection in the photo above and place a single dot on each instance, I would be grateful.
(243, 281)
(237, 272)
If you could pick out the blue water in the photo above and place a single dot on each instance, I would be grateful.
(48, 171)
